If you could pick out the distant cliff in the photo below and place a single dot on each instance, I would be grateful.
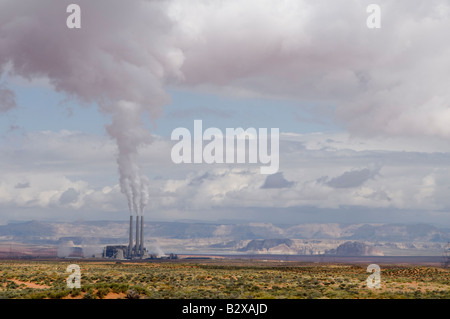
(354, 248)
(268, 245)
(33, 230)
(252, 238)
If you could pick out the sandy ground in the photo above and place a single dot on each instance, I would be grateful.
(30, 284)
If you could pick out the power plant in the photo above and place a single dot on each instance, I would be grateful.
(134, 250)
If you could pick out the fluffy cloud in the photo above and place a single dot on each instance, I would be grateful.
(22, 185)
(389, 81)
(351, 179)
(89, 188)
(276, 180)
(69, 196)
(403, 180)
(121, 53)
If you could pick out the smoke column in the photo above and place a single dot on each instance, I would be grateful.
(128, 131)
(141, 240)
(120, 60)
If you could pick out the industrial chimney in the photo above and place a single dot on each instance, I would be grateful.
(130, 240)
(137, 236)
(141, 248)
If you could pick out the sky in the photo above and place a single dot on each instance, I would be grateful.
(86, 115)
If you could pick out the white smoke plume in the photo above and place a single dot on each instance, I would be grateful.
(119, 59)
(128, 131)
(154, 248)
(65, 249)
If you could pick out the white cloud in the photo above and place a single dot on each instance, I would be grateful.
(390, 81)
(85, 183)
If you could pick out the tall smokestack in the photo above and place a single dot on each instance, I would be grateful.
(130, 240)
(137, 235)
(141, 248)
